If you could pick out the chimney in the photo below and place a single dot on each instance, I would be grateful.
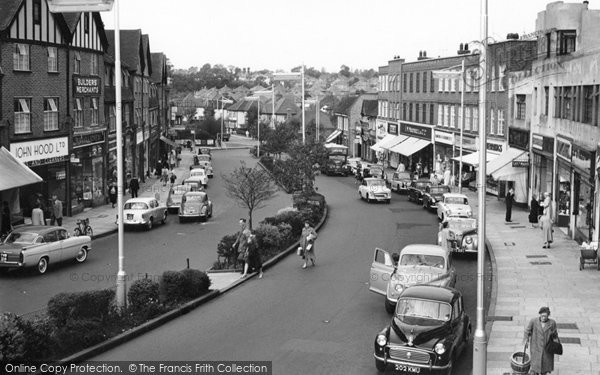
(462, 50)
(586, 3)
(422, 55)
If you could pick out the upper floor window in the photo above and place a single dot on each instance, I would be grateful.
(22, 115)
(76, 63)
(501, 122)
(520, 107)
(410, 83)
(94, 112)
(21, 57)
(424, 113)
(475, 119)
(50, 114)
(37, 12)
(404, 82)
(566, 41)
(52, 59)
(440, 116)
(418, 82)
(548, 44)
(417, 111)
(77, 113)
(492, 121)
(86, 23)
(431, 111)
(432, 83)
(94, 65)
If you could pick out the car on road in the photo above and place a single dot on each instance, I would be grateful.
(200, 175)
(417, 188)
(433, 195)
(417, 264)
(205, 151)
(454, 204)
(144, 211)
(174, 197)
(39, 245)
(204, 162)
(427, 334)
(458, 234)
(400, 182)
(194, 183)
(195, 205)
(374, 189)
(352, 165)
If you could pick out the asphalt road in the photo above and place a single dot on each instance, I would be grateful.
(321, 320)
(146, 253)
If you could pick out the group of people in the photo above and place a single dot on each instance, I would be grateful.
(56, 212)
(543, 213)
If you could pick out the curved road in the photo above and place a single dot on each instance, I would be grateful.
(321, 320)
(146, 253)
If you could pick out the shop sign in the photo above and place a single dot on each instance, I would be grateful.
(139, 137)
(61, 175)
(43, 151)
(542, 143)
(88, 139)
(518, 138)
(494, 147)
(520, 163)
(86, 86)
(443, 137)
(416, 131)
(392, 128)
(563, 149)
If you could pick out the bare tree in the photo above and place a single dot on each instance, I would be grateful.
(250, 187)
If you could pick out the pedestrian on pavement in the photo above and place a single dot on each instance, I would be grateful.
(112, 194)
(247, 134)
(307, 242)
(173, 178)
(253, 260)
(37, 215)
(534, 210)
(509, 199)
(57, 211)
(546, 226)
(241, 243)
(134, 186)
(6, 226)
(539, 331)
(165, 176)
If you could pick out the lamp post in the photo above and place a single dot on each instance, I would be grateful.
(223, 100)
(258, 114)
(67, 6)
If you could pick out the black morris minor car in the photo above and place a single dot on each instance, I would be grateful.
(427, 334)
(417, 188)
(434, 194)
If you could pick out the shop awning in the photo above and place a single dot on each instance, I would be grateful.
(502, 168)
(410, 146)
(473, 159)
(168, 141)
(14, 172)
(336, 133)
(388, 142)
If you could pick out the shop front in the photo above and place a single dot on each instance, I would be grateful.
(88, 178)
(583, 192)
(493, 186)
(542, 171)
(416, 149)
(48, 158)
(367, 140)
(444, 149)
(141, 161)
(564, 181)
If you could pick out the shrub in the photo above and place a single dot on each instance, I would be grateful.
(268, 237)
(197, 283)
(171, 289)
(225, 249)
(293, 218)
(267, 161)
(38, 340)
(94, 305)
(143, 292)
(12, 338)
(77, 334)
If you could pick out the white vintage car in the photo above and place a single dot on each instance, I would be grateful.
(39, 245)
(454, 204)
(417, 264)
(204, 161)
(144, 211)
(200, 173)
(458, 234)
(374, 189)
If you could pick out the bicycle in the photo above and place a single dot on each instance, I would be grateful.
(83, 227)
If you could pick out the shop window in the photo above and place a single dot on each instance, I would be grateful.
(21, 57)
(588, 104)
(52, 60)
(77, 113)
(50, 114)
(564, 192)
(22, 116)
(520, 107)
(566, 41)
(76, 63)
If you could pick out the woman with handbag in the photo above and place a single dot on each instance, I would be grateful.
(307, 242)
(543, 336)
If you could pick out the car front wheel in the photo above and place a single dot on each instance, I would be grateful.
(164, 218)
(42, 266)
(81, 255)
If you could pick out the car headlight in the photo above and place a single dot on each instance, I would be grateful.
(440, 348)
(398, 288)
(381, 340)
(468, 240)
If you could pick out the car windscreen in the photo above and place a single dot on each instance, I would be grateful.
(422, 312)
(136, 206)
(438, 189)
(402, 176)
(456, 200)
(421, 185)
(180, 189)
(337, 158)
(203, 158)
(199, 172)
(193, 198)
(21, 237)
(462, 225)
(376, 183)
(422, 260)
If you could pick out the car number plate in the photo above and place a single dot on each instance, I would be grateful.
(408, 369)
(3, 257)
(129, 216)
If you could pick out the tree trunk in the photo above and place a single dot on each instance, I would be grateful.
(250, 219)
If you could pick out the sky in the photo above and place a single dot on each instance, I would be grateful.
(282, 34)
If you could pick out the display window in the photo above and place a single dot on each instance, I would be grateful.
(564, 191)
(87, 178)
(585, 203)
(542, 174)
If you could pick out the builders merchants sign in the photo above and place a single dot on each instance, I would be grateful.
(86, 86)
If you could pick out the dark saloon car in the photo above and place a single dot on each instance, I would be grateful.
(427, 334)
(417, 188)
(434, 194)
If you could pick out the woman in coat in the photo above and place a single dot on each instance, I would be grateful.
(538, 332)
(253, 260)
(307, 242)
(534, 211)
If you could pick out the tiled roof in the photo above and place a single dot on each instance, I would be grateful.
(131, 47)
(158, 64)
(8, 10)
(146, 53)
(344, 105)
(369, 108)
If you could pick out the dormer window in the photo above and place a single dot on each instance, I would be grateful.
(566, 41)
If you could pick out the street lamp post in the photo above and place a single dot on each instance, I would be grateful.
(257, 97)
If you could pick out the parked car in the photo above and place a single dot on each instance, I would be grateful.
(433, 195)
(38, 246)
(400, 182)
(427, 334)
(195, 204)
(374, 189)
(144, 211)
(417, 188)
(204, 162)
(454, 204)
(352, 165)
(225, 136)
(174, 197)
(205, 151)
(458, 234)
(200, 175)
(376, 171)
(417, 264)
(194, 183)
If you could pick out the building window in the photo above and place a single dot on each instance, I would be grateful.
(404, 111)
(557, 100)
(566, 41)
(424, 113)
(432, 83)
(22, 116)
(588, 104)
(418, 83)
(37, 12)
(76, 63)
(417, 110)
(453, 116)
(440, 116)
(94, 112)
(431, 114)
(424, 81)
(492, 121)
(94, 65)
(410, 83)
(468, 118)
(501, 122)
(548, 44)
(397, 111)
(410, 112)
(86, 23)
(475, 126)
(452, 84)
(493, 79)
(501, 75)
(50, 114)
(441, 84)
(21, 57)
(52, 60)
(446, 115)
(77, 114)
(460, 118)
(546, 99)
(520, 107)
(404, 82)
(567, 104)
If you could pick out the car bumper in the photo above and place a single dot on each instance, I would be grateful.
(379, 198)
(423, 368)
(194, 214)
(11, 265)
(135, 222)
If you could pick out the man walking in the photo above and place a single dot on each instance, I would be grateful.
(134, 186)
(241, 243)
(510, 197)
(57, 211)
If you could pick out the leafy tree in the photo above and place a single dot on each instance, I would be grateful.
(278, 140)
(250, 187)
(345, 71)
(211, 126)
